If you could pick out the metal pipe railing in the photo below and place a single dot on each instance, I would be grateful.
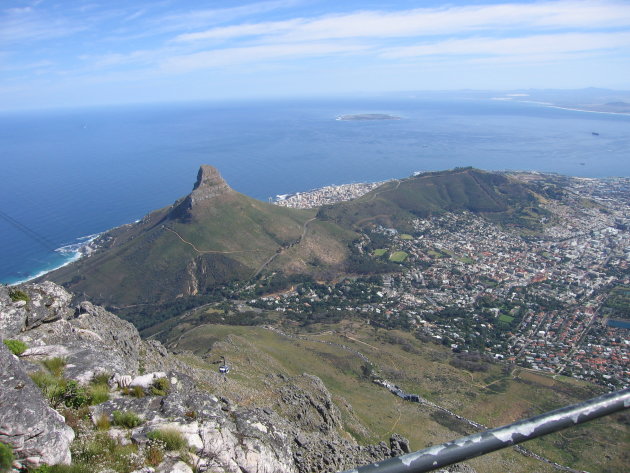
(481, 443)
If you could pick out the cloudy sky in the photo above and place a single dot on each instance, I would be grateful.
(71, 52)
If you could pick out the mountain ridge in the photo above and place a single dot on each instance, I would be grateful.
(215, 235)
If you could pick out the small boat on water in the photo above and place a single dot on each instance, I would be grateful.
(594, 133)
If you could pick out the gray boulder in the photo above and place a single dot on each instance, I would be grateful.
(37, 433)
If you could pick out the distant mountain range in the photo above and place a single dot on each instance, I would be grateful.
(216, 235)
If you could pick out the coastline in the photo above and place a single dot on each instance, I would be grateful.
(72, 252)
(560, 107)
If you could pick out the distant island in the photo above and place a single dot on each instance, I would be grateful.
(368, 116)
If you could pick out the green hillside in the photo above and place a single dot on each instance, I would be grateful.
(492, 195)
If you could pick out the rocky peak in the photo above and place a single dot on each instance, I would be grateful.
(209, 184)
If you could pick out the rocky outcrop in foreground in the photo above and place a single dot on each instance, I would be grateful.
(37, 432)
(94, 344)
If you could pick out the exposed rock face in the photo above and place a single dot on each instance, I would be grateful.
(82, 335)
(224, 440)
(47, 303)
(307, 403)
(209, 184)
(36, 432)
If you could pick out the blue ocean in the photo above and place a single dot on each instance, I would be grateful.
(70, 174)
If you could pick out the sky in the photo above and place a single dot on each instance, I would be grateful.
(66, 53)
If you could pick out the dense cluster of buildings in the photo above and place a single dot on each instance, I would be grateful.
(537, 301)
(325, 195)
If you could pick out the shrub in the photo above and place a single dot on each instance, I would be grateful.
(55, 365)
(137, 391)
(171, 438)
(17, 295)
(6, 458)
(17, 347)
(128, 419)
(160, 387)
(75, 395)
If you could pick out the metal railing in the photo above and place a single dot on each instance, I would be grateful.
(481, 443)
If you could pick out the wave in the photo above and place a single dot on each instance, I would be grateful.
(71, 253)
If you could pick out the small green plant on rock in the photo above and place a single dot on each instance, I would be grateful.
(160, 387)
(52, 387)
(171, 438)
(75, 395)
(17, 347)
(154, 454)
(6, 458)
(127, 419)
(60, 391)
(99, 388)
(102, 422)
(55, 365)
(17, 295)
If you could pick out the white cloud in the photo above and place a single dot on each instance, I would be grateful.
(532, 45)
(432, 21)
(247, 55)
(202, 17)
(249, 29)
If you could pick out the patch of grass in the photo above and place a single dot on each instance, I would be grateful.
(98, 393)
(17, 347)
(171, 438)
(74, 468)
(506, 318)
(60, 391)
(380, 252)
(17, 295)
(6, 458)
(102, 422)
(405, 236)
(160, 387)
(135, 391)
(127, 419)
(52, 387)
(101, 452)
(154, 455)
(398, 256)
(101, 378)
(55, 365)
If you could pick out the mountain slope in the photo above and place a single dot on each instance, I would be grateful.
(212, 236)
